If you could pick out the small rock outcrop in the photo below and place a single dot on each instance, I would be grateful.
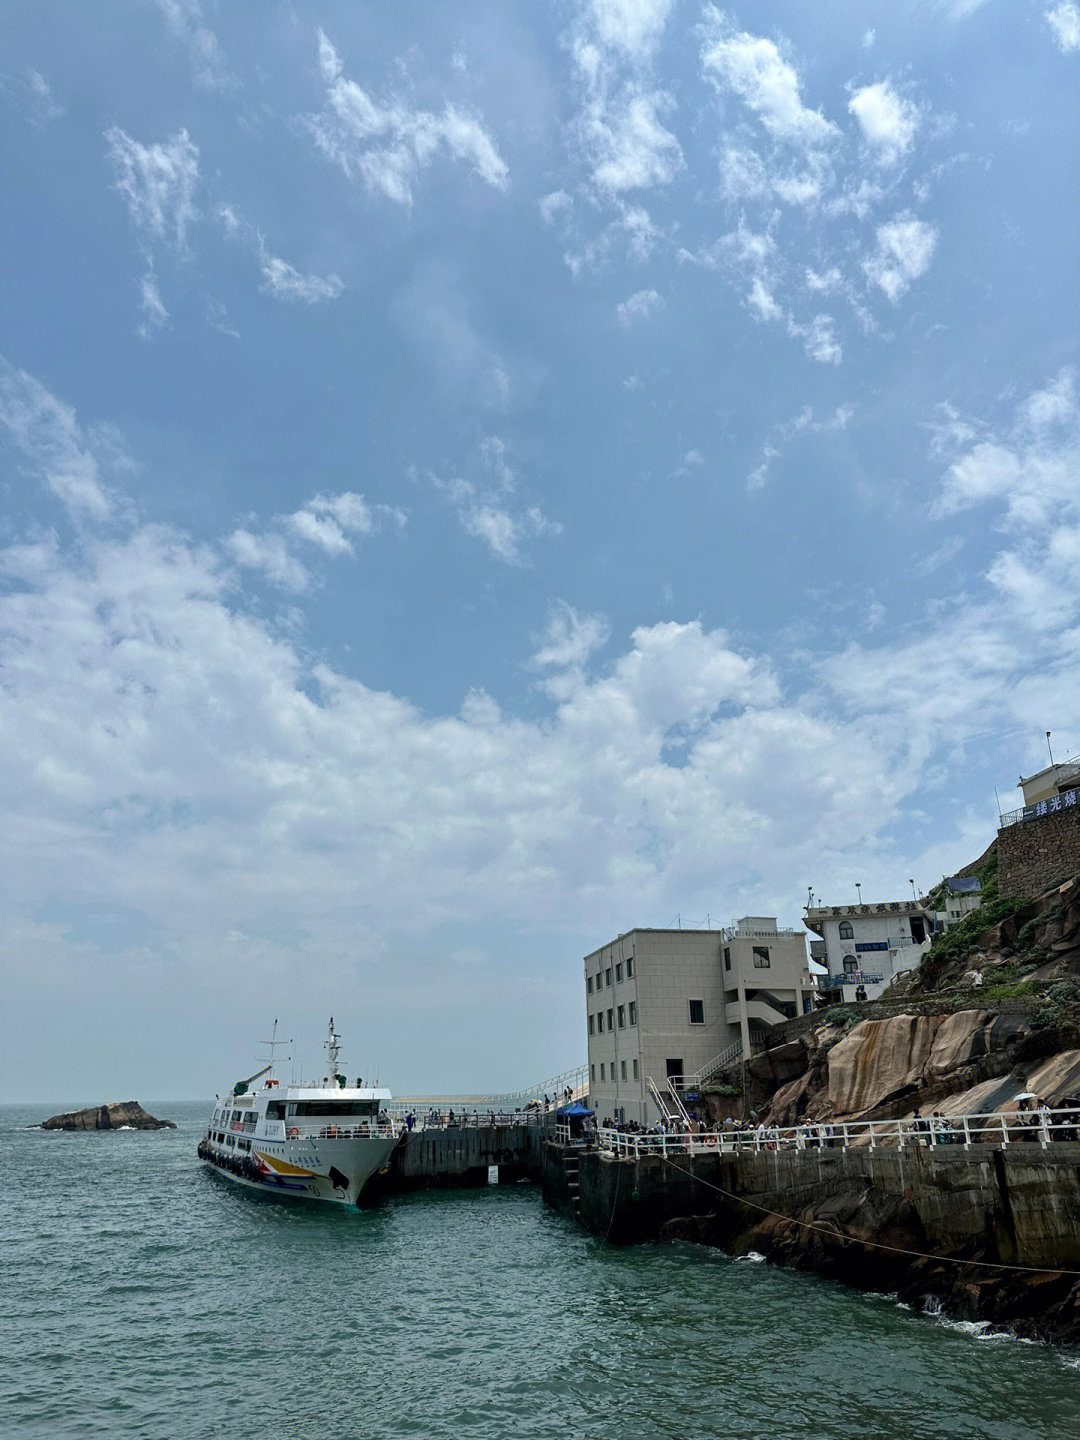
(122, 1115)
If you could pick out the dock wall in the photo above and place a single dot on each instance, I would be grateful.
(458, 1158)
(1018, 1204)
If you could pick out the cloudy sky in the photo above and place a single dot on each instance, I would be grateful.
(478, 477)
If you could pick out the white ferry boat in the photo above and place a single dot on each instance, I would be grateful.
(315, 1142)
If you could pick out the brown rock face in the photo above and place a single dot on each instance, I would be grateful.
(881, 1059)
(124, 1113)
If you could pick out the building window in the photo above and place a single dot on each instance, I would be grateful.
(591, 1025)
(611, 1019)
(674, 1069)
(622, 1017)
(727, 957)
(622, 1068)
(630, 967)
(618, 973)
(588, 984)
(633, 1012)
(607, 976)
(761, 957)
(592, 1073)
(599, 1022)
(635, 1070)
(601, 1071)
(846, 931)
(697, 1012)
(851, 965)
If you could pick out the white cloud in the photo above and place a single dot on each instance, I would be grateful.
(639, 306)
(631, 26)
(186, 23)
(278, 278)
(781, 436)
(388, 145)
(556, 204)
(1064, 21)
(570, 639)
(327, 521)
(153, 307)
(284, 282)
(158, 182)
(905, 247)
(47, 433)
(628, 147)
(43, 104)
(752, 69)
(1031, 468)
(269, 554)
(484, 507)
(888, 121)
(619, 130)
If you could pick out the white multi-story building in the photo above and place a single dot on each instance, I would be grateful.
(662, 1005)
(867, 946)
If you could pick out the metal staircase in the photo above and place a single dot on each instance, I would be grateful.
(712, 1067)
(679, 1112)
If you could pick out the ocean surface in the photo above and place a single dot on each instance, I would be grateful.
(144, 1296)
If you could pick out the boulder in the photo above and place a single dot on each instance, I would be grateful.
(121, 1115)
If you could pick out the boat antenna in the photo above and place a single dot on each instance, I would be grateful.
(273, 1043)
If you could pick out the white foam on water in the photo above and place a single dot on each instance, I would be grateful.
(751, 1258)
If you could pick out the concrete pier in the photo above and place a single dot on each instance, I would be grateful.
(454, 1158)
(1020, 1204)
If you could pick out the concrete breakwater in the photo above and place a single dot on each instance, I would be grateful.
(456, 1158)
(881, 1219)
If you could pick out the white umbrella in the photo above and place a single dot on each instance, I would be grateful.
(1026, 1095)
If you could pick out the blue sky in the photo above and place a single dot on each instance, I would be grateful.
(478, 478)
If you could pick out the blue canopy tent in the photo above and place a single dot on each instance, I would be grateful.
(575, 1111)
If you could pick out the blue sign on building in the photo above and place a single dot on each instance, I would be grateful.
(1068, 801)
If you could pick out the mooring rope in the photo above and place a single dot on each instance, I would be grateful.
(872, 1244)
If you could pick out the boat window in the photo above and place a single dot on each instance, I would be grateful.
(336, 1107)
(275, 1110)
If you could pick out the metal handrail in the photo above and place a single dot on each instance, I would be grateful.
(726, 1057)
(994, 1127)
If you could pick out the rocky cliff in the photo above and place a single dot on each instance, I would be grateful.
(122, 1115)
(939, 1040)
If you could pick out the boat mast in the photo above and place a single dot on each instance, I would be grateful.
(272, 1044)
(333, 1053)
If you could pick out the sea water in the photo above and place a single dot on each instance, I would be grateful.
(146, 1297)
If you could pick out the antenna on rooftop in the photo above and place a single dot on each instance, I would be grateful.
(1048, 747)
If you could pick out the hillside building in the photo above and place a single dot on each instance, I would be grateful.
(665, 1004)
(867, 946)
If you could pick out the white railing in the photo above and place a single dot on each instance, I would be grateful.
(500, 1100)
(726, 1057)
(433, 1118)
(1042, 1127)
(324, 1129)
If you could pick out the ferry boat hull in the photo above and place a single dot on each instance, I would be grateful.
(331, 1170)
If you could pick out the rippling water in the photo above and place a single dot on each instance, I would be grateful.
(146, 1297)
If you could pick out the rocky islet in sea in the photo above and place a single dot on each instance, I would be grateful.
(121, 1115)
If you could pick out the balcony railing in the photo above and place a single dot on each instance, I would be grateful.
(850, 977)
